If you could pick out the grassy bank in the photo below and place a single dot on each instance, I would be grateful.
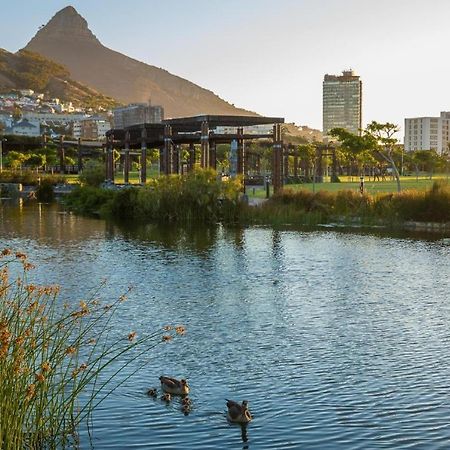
(202, 197)
(347, 206)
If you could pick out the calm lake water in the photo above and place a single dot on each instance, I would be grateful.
(337, 340)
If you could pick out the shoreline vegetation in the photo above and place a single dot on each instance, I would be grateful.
(200, 197)
(58, 361)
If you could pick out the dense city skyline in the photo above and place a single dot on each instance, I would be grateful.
(271, 57)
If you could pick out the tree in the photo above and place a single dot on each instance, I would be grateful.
(16, 159)
(36, 160)
(355, 149)
(307, 155)
(383, 143)
(93, 173)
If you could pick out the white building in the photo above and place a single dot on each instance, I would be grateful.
(25, 128)
(93, 128)
(63, 118)
(428, 133)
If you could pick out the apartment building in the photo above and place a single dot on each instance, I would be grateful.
(428, 133)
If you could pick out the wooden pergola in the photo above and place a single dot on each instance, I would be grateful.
(171, 134)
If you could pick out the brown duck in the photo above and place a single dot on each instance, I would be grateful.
(174, 386)
(237, 412)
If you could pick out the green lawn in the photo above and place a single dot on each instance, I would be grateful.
(372, 187)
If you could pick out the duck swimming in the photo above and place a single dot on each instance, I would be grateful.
(174, 386)
(152, 393)
(166, 397)
(238, 413)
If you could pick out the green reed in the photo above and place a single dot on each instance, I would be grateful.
(51, 353)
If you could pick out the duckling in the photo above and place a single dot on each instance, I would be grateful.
(152, 392)
(186, 401)
(185, 409)
(238, 413)
(166, 397)
(174, 386)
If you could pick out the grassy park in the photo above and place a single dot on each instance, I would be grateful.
(421, 183)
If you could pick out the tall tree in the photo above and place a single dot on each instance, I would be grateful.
(384, 144)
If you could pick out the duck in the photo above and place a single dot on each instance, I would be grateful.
(174, 386)
(166, 397)
(152, 392)
(238, 413)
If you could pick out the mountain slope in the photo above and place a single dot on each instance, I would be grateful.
(68, 40)
(27, 70)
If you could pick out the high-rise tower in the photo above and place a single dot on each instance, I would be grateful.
(342, 102)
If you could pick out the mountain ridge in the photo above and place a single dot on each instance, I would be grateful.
(29, 70)
(67, 39)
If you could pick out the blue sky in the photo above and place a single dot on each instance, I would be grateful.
(270, 56)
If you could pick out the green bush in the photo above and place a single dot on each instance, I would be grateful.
(30, 178)
(90, 200)
(45, 192)
(197, 197)
(93, 173)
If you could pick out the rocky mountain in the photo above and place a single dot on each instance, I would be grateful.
(68, 40)
(28, 70)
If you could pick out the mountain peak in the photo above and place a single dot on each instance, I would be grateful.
(66, 24)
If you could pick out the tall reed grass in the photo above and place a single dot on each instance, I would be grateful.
(197, 197)
(305, 207)
(201, 197)
(52, 353)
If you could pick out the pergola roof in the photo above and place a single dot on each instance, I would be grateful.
(194, 123)
(155, 131)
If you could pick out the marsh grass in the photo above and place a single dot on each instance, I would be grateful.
(199, 197)
(51, 354)
(346, 206)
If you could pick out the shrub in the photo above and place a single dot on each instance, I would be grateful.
(93, 173)
(90, 200)
(45, 192)
(349, 202)
(30, 178)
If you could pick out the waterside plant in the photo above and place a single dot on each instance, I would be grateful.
(197, 197)
(201, 197)
(393, 209)
(57, 362)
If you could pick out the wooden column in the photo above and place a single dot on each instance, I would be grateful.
(286, 153)
(296, 163)
(319, 171)
(162, 169)
(277, 166)
(191, 164)
(110, 158)
(176, 156)
(204, 145)
(168, 150)
(334, 166)
(240, 152)
(126, 163)
(144, 155)
(80, 156)
(212, 155)
(62, 165)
